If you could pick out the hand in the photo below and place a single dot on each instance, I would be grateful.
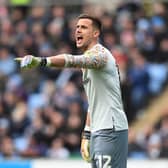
(85, 146)
(28, 61)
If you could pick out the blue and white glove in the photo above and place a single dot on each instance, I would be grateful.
(29, 61)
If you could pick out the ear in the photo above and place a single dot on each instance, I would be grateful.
(96, 33)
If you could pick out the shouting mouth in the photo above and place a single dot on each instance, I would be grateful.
(79, 39)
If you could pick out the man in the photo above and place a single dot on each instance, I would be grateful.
(105, 136)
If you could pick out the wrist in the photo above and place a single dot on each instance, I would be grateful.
(86, 135)
(87, 128)
(86, 132)
(45, 62)
(48, 62)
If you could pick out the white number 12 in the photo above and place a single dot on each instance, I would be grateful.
(103, 161)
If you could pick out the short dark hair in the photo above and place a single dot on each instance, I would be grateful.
(96, 22)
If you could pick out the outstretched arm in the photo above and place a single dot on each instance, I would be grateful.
(93, 60)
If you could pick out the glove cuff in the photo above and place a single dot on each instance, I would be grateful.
(45, 62)
(86, 135)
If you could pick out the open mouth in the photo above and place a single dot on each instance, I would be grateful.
(79, 39)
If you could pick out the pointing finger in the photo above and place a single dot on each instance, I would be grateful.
(18, 59)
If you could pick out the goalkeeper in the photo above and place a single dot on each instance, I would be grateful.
(105, 137)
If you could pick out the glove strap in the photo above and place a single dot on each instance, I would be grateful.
(43, 62)
(86, 135)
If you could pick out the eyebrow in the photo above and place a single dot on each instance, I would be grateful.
(83, 26)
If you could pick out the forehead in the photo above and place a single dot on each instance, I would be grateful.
(84, 21)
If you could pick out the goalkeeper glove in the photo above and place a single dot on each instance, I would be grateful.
(85, 146)
(29, 61)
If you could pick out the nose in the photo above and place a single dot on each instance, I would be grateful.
(78, 29)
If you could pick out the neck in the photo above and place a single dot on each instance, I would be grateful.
(89, 46)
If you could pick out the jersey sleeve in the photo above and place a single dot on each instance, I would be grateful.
(91, 59)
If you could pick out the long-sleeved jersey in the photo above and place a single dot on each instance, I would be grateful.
(102, 85)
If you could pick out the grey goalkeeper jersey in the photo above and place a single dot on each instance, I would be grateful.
(102, 85)
(104, 95)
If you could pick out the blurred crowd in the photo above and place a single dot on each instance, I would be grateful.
(42, 111)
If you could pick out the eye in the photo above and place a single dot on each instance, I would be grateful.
(84, 27)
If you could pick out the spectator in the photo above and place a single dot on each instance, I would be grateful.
(57, 150)
(138, 78)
